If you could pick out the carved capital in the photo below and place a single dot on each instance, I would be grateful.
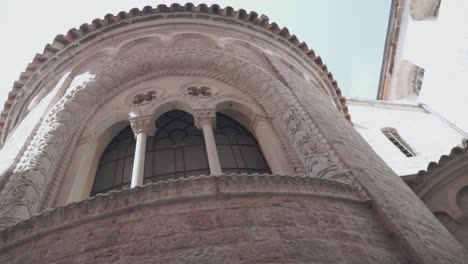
(143, 124)
(205, 116)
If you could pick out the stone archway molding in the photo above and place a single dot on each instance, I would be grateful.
(88, 33)
(39, 172)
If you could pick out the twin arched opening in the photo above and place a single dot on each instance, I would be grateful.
(178, 150)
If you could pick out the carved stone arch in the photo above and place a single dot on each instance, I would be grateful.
(81, 171)
(91, 63)
(289, 74)
(96, 137)
(99, 132)
(294, 68)
(86, 156)
(462, 200)
(151, 41)
(301, 74)
(239, 111)
(172, 104)
(88, 66)
(230, 40)
(106, 127)
(60, 82)
(59, 132)
(94, 62)
(247, 50)
(257, 123)
(193, 39)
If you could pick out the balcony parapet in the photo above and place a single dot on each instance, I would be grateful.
(172, 191)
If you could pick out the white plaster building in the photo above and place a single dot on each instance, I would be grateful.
(422, 87)
(424, 133)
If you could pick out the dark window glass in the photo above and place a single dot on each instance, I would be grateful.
(394, 137)
(237, 149)
(176, 150)
(115, 168)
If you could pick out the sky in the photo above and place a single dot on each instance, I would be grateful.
(349, 35)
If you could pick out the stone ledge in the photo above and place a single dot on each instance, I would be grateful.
(174, 190)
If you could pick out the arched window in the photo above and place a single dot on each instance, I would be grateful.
(115, 168)
(178, 150)
(237, 149)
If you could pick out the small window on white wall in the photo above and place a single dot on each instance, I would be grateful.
(394, 137)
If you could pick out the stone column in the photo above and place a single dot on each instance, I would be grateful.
(142, 127)
(206, 120)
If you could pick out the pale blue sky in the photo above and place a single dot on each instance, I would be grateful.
(348, 34)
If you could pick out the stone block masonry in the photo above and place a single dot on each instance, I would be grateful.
(232, 226)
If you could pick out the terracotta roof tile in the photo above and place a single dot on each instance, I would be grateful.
(444, 159)
(74, 34)
(434, 173)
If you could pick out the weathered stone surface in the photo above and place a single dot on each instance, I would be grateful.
(403, 214)
(349, 202)
(444, 190)
(253, 228)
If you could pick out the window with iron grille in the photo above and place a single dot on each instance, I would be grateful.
(394, 137)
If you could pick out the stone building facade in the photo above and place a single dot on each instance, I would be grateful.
(119, 142)
(443, 187)
(421, 94)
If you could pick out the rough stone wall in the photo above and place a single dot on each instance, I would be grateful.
(459, 228)
(444, 190)
(420, 235)
(259, 228)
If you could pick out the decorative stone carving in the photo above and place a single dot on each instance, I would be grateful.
(462, 200)
(417, 79)
(205, 116)
(143, 124)
(144, 98)
(37, 176)
(424, 9)
(199, 91)
(409, 80)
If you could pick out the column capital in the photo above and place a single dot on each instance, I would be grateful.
(205, 116)
(143, 124)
